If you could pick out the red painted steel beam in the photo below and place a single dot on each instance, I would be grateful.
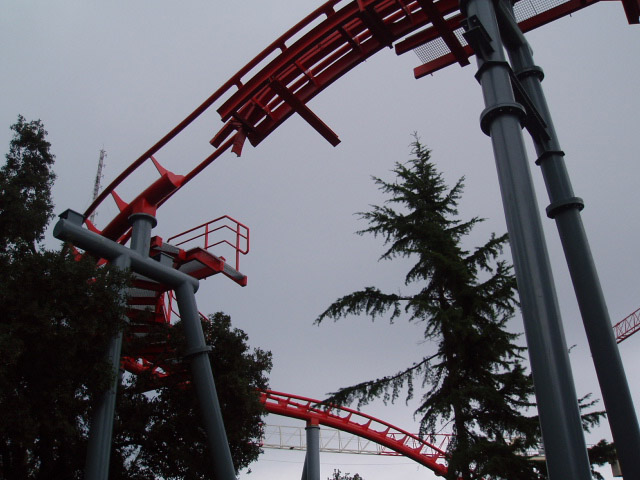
(306, 113)
(445, 7)
(145, 202)
(357, 423)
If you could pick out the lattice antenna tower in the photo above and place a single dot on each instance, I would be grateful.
(96, 185)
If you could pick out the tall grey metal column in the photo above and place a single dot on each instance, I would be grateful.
(565, 210)
(101, 427)
(501, 120)
(142, 224)
(311, 469)
(198, 355)
(99, 447)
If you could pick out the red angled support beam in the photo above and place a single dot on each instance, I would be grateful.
(146, 202)
(305, 112)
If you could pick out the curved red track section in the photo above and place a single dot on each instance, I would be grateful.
(357, 423)
(304, 61)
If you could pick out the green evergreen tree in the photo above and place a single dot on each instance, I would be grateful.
(474, 380)
(57, 316)
(25, 188)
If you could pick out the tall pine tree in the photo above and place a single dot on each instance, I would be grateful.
(475, 380)
(25, 188)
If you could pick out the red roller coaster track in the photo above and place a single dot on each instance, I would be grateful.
(308, 58)
(360, 424)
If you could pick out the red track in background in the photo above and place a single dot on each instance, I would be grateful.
(627, 326)
(360, 424)
(308, 58)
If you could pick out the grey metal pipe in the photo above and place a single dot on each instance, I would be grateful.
(101, 427)
(565, 210)
(197, 353)
(555, 391)
(142, 224)
(312, 458)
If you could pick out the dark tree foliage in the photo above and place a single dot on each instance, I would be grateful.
(57, 316)
(338, 475)
(25, 188)
(161, 435)
(474, 380)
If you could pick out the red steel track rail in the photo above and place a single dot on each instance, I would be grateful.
(305, 60)
(360, 424)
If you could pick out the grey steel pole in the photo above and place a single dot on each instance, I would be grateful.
(565, 210)
(501, 120)
(101, 430)
(312, 458)
(142, 224)
(101, 433)
(198, 354)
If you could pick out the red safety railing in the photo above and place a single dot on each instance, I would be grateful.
(210, 233)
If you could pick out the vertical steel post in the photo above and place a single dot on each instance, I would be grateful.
(99, 448)
(142, 224)
(565, 210)
(501, 120)
(312, 458)
(101, 430)
(198, 355)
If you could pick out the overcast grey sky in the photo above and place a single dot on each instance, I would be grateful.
(118, 75)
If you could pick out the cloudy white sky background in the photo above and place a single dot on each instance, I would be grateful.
(119, 75)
